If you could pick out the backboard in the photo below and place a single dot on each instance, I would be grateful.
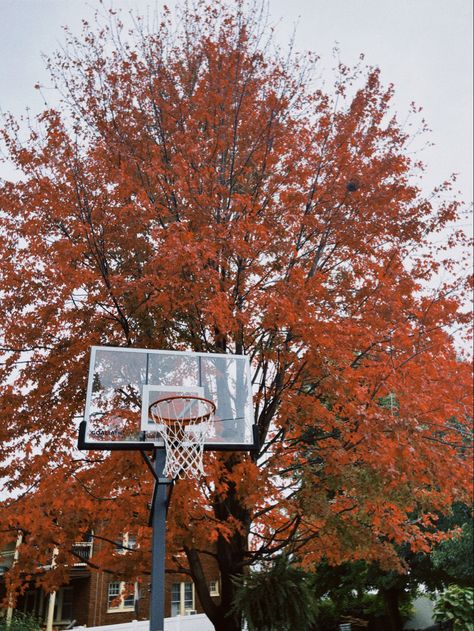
(124, 382)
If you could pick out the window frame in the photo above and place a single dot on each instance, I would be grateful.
(121, 607)
(59, 604)
(36, 599)
(182, 608)
(128, 541)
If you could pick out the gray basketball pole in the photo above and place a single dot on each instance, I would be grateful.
(158, 547)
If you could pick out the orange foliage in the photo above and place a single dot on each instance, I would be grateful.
(193, 193)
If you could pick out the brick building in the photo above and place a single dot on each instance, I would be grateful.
(95, 598)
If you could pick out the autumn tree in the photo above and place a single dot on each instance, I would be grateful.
(196, 190)
(357, 588)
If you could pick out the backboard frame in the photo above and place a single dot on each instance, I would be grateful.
(85, 443)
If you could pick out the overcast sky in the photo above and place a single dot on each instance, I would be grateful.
(423, 46)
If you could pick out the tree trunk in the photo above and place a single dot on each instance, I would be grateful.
(230, 555)
(231, 559)
(222, 623)
(391, 606)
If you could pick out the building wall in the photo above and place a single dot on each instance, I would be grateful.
(81, 598)
(90, 596)
(98, 614)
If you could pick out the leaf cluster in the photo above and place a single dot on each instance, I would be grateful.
(457, 604)
(455, 556)
(20, 622)
(277, 598)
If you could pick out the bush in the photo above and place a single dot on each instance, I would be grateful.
(20, 622)
(277, 598)
(456, 604)
(327, 615)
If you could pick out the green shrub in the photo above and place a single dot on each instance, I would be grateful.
(456, 604)
(276, 598)
(20, 622)
(327, 615)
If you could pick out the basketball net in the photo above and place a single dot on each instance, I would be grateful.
(183, 422)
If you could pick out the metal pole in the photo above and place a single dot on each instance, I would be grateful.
(157, 605)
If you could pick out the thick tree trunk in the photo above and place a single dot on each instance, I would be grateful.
(231, 559)
(393, 612)
(230, 556)
(222, 623)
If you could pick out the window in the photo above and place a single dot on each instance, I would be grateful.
(182, 598)
(120, 597)
(82, 551)
(130, 541)
(125, 543)
(63, 604)
(34, 602)
(214, 588)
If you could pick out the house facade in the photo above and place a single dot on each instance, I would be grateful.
(95, 598)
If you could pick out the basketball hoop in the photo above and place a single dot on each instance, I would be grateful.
(183, 422)
(152, 400)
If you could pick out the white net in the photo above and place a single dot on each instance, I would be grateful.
(183, 423)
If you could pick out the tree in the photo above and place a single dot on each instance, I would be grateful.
(193, 191)
(450, 561)
(364, 590)
(454, 556)
(359, 591)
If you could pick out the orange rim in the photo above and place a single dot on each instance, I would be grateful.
(184, 419)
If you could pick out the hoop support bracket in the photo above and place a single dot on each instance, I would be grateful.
(158, 482)
(153, 500)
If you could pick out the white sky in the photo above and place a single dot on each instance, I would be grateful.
(425, 47)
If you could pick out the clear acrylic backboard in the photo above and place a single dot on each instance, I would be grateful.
(124, 382)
